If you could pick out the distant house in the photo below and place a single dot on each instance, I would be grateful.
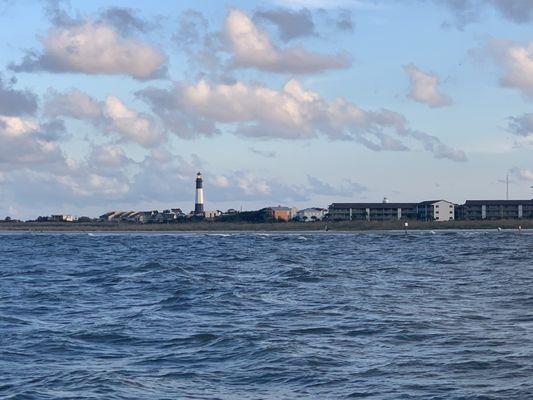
(212, 214)
(143, 217)
(281, 213)
(63, 218)
(311, 214)
(127, 216)
(166, 216)
(120, 216)
(178, 212)
(109, 216)
(169, 215)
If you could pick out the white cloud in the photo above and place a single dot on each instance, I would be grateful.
(94, 48)
(70, 185)
(108, 157)
(290, 113)
(250, 186)
(253, 48)
(112, 116)
(522, 125)
(131, 124)
(221, 181)
(253, 185)
(516, 63)
(522, 174)
(74, 104)
(15, 126)
(24, 143)
(424, 87)
(108, 179)
(326, 189)
(91, 184)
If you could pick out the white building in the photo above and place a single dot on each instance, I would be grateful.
(212, 214)
(436, 210)
(63, 218)
(311, 214)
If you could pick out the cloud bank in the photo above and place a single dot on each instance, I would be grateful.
(253, 48)
(290, 113)
(90, 47)
(24, 143)
(112, 116)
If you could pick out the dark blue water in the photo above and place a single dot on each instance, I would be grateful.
(267, 316)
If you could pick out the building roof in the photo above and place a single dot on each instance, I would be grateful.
(372, 205)
(428, 202)
(497, 202)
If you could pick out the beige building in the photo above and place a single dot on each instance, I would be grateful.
(436, 210)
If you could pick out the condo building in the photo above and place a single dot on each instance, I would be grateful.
(495, 209)
(384, 211)
(436, 210)
(432, 210)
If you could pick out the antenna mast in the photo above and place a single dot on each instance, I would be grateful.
(507, 187)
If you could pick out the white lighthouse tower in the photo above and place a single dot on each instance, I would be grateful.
(199, 199)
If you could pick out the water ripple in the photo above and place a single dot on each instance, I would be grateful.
(266, 315)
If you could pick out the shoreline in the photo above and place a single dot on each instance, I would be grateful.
(340, 226)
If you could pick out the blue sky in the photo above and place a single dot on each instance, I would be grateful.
(116, 105)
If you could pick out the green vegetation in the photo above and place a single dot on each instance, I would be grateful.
(255, 223)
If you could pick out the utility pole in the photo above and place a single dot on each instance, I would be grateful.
(507, 187)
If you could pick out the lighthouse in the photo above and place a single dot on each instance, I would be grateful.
(199, 199)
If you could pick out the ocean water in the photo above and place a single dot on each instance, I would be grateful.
(445, 315)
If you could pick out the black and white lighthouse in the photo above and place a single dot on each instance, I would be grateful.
(199, 199)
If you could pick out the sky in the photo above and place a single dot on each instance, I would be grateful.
(116, 105)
